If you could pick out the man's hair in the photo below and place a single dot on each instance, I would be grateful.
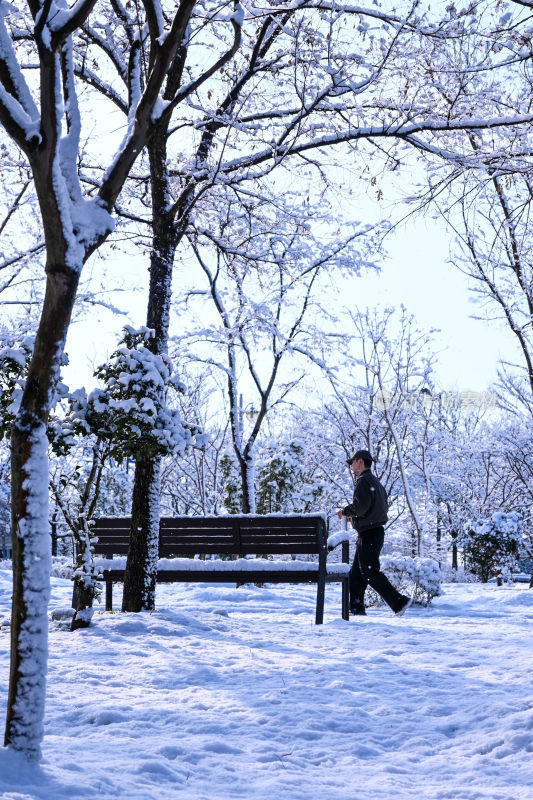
(365, 455)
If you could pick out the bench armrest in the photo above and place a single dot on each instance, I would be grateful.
(338, 538)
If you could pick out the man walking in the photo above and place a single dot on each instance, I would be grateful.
(368, 512)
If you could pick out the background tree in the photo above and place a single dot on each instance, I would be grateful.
(285, 482)
(193, 484)
(273, 101)
(84, 482)
(485, 197)
(393, 361)
(262, 281)
(491, 219)
(21, 242)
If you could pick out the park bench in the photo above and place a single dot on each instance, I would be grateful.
(184, 541)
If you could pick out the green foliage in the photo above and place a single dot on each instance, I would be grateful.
(14, 365)
(13, 370)
(231, 481)
(5, 502)
(284, 484)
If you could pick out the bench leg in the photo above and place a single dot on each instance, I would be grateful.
(109, 595)
(320, 594)
(346, 598)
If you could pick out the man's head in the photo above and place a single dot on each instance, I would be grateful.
(360, 461)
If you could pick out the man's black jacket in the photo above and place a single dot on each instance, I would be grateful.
(369, 506)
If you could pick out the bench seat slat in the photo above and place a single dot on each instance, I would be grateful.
(258, 521)
(230, 576)
(244, 543)
(265, 550)
(281, 541)
(203, 540)
(119, 523)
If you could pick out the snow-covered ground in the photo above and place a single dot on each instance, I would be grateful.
(235, 693)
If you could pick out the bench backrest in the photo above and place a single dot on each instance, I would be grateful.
(180, 536)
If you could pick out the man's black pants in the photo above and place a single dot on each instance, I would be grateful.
(366, 570)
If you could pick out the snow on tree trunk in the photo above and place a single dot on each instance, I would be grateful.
(31, 590)
(247, 467)
(31, 541)
(141, 565)
(85, 583)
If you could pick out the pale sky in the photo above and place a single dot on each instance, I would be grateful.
(416, 275)
(419, 275)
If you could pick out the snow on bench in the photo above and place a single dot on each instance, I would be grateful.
(219, 565)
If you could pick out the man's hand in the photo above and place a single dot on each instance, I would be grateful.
(339, 513)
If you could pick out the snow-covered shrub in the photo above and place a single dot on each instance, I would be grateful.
(131, 411)
(13, 368)
(419, 575)
(61, 568)
(14, 363)
(460, 575)
(491, 544)
(5, 503)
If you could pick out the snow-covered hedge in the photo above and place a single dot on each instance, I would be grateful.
(61, 568)
(460, 575)
(407, 573)
(492, 544)
(403, 571)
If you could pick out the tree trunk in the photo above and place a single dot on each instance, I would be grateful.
(30, 530)
(455, 559)
(141, 565)
(85, 584)
(84, 604)
(247, 485)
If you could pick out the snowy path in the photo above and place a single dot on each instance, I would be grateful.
(226, 693)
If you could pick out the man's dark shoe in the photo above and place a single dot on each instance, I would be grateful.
(357, 611)
(407, 603)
